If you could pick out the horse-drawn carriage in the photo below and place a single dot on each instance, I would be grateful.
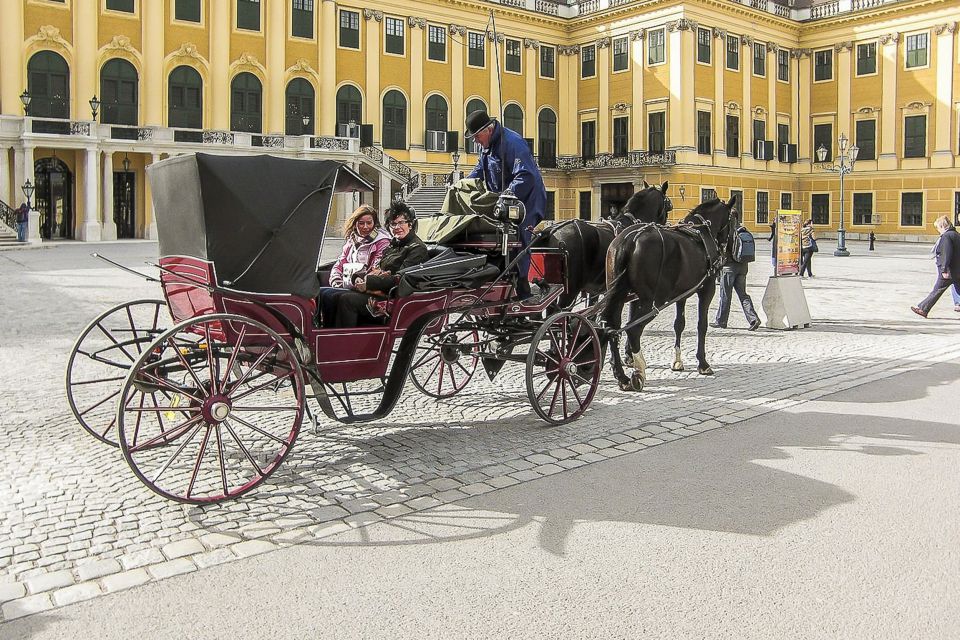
(205, 390)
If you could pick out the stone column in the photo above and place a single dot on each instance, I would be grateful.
(457, 116)
(13, 70)
(276, 34)
(328, 69)
(844, 79)
(109, 225)
(5, 178)
(84, 68)
(532, 72)
(887, 160)
(719, 104)
(371, 103)
(153, 91)
(942, 152)
(33, 228)
(217, 94)
(92, 231)
(150, 215)
(417, 125)
(746, 118)
(636, 91)
(801, 117)
(603, 110)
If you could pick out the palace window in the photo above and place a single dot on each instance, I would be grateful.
(588, 61)
(656, 46)
(512, 57)
(704, 45)
(862, 208)
(395, 36)
(436, 43)
(759, 59)
(707, 194)
(916, 50)
(394, 120)
(349, 29)
(823, 65)
(763, 207)
(733, 136)
(621, 135)
(866, 58)
(120, 5)
(513, 118)
(300, 100)
(911, 209)
(187, 10)
(914, 136)
(820, 208)
(621, 56)
(588, 139)
(759, 132)
(118, 92)
(585, 209)
(246, 99)
(248, 15)
(547, 139)
(867, 139)
(48, 81)
(786, 200)
(656, 128)
(733, 53)
(703, 132)
(185, 95)
(823, 135)
(302, 19)
(783, 139)
(436, 119)
(349, 105)
(783, 65)
(547, 58)
(476, 49)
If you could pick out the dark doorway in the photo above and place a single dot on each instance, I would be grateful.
(54, 198)
(614, 195)
(124, 203)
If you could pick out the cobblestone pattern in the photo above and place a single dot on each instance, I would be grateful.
(75, 523)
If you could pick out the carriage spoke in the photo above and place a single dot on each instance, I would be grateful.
(253, 367)
(258, 387)
(98, 380)
(553, 401)
(136, 428)
(186, 365)
(113, 421)
(164, 409)
(453, 379)
(243, 448)
(163, 382)
(196, 466)
(463, 368)
(133, 328)
(167, 436)
(211, 361)
(223, 468)
(112, 395)
(114, 341)
(265, 409)
(545, 372)
(233, 357)
(176, 453)
(563, 395)
(576, 394)
(425, 359)
(260, 431)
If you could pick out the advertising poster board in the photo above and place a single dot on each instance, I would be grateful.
(788, 242)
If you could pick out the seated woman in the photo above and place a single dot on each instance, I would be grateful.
(365, 243)
(405, 250)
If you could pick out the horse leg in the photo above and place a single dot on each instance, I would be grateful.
(634, 313)
(705, 296)
(678, 326)
(639, 377)
(612, 317)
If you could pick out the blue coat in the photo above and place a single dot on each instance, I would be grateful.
(522, 175)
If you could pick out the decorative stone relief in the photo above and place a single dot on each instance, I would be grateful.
(530, 43)
(950, 27)
(417, 23)
(457, 30)
(248, 60)
(50, 35)
(187, 50)
(917, 105)
(121, 43)
(603, 43)
(638, 35)
(843, 46)
(732, 106)
(620, 107)
(569, 50)
(683, 24)
(302, 66)
(720, 33)
(890, 38)
(773, 48)
(868, 110)
(796, 54)
(490, 36)
(373, 14)
(746, 41)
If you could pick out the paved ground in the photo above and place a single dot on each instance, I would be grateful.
(76, 524)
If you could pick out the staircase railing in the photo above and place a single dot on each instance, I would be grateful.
(8, 215)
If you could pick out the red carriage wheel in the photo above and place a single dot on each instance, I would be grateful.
(235, 404)
(443, 363)
(102, 357)
(563, 367)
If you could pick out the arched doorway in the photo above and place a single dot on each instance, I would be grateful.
(54, 198)
(300, 99)
(245, 103)
(118, 92)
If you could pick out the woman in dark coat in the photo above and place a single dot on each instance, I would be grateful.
(947, 253)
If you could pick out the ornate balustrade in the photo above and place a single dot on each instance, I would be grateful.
(610, 161)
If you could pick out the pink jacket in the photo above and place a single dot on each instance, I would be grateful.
(364, 251)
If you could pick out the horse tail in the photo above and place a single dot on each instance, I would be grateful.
(618, 281)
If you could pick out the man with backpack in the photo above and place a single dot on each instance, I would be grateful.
(733, 276)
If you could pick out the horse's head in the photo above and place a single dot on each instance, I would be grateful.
(719, 216)
(650, 204)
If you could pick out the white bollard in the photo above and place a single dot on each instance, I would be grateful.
(33, 228)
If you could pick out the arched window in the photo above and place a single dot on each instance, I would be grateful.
(394, 120)
(118, 92)
(48, 81)
(547, 138)
(245, 102)
(513, 118)
(185, 95)
(475, 105)
(300, 101)
(436, 113)
(349, 105)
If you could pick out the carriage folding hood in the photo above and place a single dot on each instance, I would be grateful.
(259, 219)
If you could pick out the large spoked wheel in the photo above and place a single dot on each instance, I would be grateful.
(563, 367)
(235, 401)
(101, 359)
(444, 363)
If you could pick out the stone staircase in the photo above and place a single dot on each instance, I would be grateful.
(8, 234)
(426, 201)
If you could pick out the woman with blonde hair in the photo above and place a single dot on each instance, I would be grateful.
(947, 254)
(364, 243)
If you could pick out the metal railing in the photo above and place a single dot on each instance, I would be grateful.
(611, 161)
(8, 215)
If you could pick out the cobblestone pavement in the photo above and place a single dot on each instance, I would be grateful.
(75, 523)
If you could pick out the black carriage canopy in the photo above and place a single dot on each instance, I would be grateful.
(259, 219)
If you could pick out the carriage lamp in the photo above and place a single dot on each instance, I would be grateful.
(28, 190)
(94, 106)
(25, 98)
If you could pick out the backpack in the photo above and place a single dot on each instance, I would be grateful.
(744, 247)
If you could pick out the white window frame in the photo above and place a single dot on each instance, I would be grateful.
(613, 54)
(540, 66)
(786, 52)
(582, 49)
(663, 34)
(876, 56)
(906, 39)
(833, 63)
(403, 26)
(726, 49)
(359, 30)
(520, 45)
(446, 40)
(753, 59)
(483, 39)
(187, 23)
(696, 57)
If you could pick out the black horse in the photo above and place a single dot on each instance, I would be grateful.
(587, 242)
(662, 266)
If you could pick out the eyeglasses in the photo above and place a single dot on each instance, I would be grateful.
(398, 223)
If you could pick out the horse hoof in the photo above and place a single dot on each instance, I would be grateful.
(628, 361)
(676, 366)
(705, 371)
(636, 383)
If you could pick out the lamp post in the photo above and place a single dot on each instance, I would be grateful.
(25, 99)
(843, 166)
(94, 106)
(28, 190)
(455, 156)
(125, 218)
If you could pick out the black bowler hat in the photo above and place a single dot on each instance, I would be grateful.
(476, 122)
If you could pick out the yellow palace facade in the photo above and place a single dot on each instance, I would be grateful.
(714, 96)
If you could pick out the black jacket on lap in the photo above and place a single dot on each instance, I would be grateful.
(400, 254)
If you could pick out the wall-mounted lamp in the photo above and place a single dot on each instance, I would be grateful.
(126, 163)
(25, 98)
(306, 120)
(94, 106)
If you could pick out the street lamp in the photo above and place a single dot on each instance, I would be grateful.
(94, 106)
(28, 190)
(455, 156)
(125, 213)
(843, 166)
(25, 98)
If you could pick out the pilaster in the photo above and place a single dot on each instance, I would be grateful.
(495, 62)
(943, 154)
(719, 104)
(371, 101)
(888, 107)
(109, 231)
(416, 27)
(603, 111)
(217, 94)
(5, 177)
(637, 112)
(152, 96)
(746, 119)
(844, 78)
(801, 123)
(457, 116)
(85, 14)
(13, 71)
(327, 122)
(569, 69)
(682, 51)
(772, 95)
(531, 73)
(91, 231)
(276, 32)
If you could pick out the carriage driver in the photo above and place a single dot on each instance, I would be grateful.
(405, 250)
(506, 163)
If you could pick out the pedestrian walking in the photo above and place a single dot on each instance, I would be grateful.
(733, 277)
(23, 221)
(947, 254)
(808, 247)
